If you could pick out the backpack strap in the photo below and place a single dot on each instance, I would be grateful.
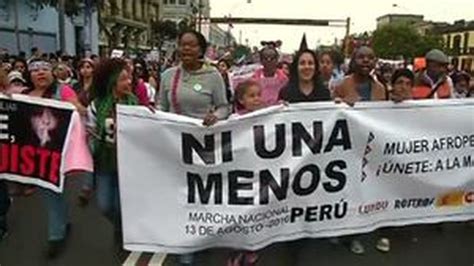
(436, 88)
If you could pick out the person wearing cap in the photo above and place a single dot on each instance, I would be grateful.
(433, 83)
(16, 83)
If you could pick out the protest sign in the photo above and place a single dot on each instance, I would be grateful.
(284, 173)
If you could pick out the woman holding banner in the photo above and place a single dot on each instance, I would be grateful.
(305, 84)
(44, 86)
(193, 89)
(361, 85)
(112, 86)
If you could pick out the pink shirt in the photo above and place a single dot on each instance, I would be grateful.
(142, 93)
(77, 154)
(271, 86)
(68, 94)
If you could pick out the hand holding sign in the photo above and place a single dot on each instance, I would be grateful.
(210, 118)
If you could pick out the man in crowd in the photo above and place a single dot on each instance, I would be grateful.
(434, 83)
(361, 85)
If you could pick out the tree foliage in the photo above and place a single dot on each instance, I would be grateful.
(163, 30)
(184, 25)
(241, 51)
(400, 40)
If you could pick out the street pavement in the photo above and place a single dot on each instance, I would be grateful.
(91, 243)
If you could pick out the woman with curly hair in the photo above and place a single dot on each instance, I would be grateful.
(112, 86)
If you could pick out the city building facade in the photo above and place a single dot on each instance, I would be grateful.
(126, 24)
(177, 10)
(398, 19)
(24, 25)
(459, 42)
(220, 37)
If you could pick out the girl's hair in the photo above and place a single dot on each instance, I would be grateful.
(85, 61)
(81, 64)
(294, 77)
(226, 62)
(21, 60)
(201, 40)
(145, 74)
(328, 53)
(241, 90)
(460, 76)
(105, 76)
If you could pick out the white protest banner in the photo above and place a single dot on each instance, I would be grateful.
(284, 173)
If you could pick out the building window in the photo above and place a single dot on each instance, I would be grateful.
(172, 2)
(165, 2)
(466, 64)
(182, 2)
(457, 44)
(466, 42)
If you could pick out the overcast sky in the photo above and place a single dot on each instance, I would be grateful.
(363, 14)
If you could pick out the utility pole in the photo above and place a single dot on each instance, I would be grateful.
(87, 27)
(347, 39)
(200, 15)
(62, 29)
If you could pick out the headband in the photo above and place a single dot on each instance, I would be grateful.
(37, 65)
